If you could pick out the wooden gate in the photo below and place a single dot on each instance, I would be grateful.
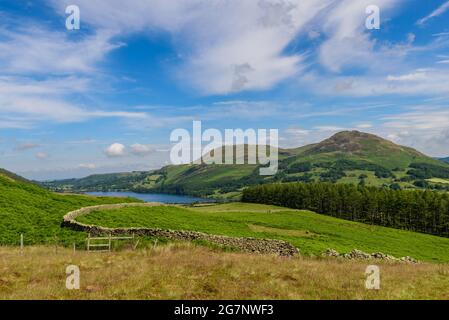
(103, 244)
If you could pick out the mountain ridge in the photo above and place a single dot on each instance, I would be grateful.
(347, 157)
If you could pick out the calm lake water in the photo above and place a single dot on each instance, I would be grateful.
(151, 197)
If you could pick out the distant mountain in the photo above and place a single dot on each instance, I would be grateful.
(98, 182)
(369, 147)
(346, 157)
(444, 159)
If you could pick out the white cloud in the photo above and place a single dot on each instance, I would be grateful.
(82, 142)
(41, 155)
(437, 12)
(38, 108)
(349, 43)
(36, 49)
(16, 85)
(295, 137)
(224, 46)
(424, 128)
(115, 150)
(313, 34)
(364, 126)
(295, 131)
(416, 76)
(140, 149)
(425, 119)
(49, 67)
(428, 82)
(89, 166)
(26, 146)
(25, 102)
(330, 128)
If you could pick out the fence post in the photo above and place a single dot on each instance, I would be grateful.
(155, 244)
(56, 244)
(21, 243)
(74, 247)
(110, 241)
(88, 242)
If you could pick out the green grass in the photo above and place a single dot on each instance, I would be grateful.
(310, 232)
(438, 180)
(36, 213)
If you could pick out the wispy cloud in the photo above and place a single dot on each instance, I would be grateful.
(89, 166)
(141, 149)
(41, 69)
(30, 111)
(26, 146)
(41, 155)
(36, 49)
(424, 128)
(427, 119)
(224, 47)
(421, 82)
(26, 102)
(437, 12)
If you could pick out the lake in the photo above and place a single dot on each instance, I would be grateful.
(151, 197)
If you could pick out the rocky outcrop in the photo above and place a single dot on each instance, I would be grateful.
(252, 245)
(360, 255)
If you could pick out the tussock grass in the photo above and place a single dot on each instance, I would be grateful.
(187, 271)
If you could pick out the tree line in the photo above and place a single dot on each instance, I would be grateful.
(415, 210)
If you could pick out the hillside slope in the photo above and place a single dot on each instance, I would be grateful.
(28, 209)
(347, 157)
(312, 233)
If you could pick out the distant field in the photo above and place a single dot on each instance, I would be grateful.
(310, 232)
(184, 271)
(438, 180)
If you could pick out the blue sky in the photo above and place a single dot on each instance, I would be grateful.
(106, 97)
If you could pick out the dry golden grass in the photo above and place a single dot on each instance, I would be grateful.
(186, 271)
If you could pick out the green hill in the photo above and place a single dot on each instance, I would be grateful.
(28, 209)
(347, 157)
(361, 146)
(312, 233)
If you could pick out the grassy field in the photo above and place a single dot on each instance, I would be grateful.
(310, 232)
(438, 180)
(37, 213)
(182, 271)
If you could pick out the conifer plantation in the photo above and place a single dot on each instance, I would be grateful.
(414, 210)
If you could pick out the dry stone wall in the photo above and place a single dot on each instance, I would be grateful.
(360, 255)
(252, 245)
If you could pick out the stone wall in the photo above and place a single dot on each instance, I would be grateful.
(252, 245)
(360, 255)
